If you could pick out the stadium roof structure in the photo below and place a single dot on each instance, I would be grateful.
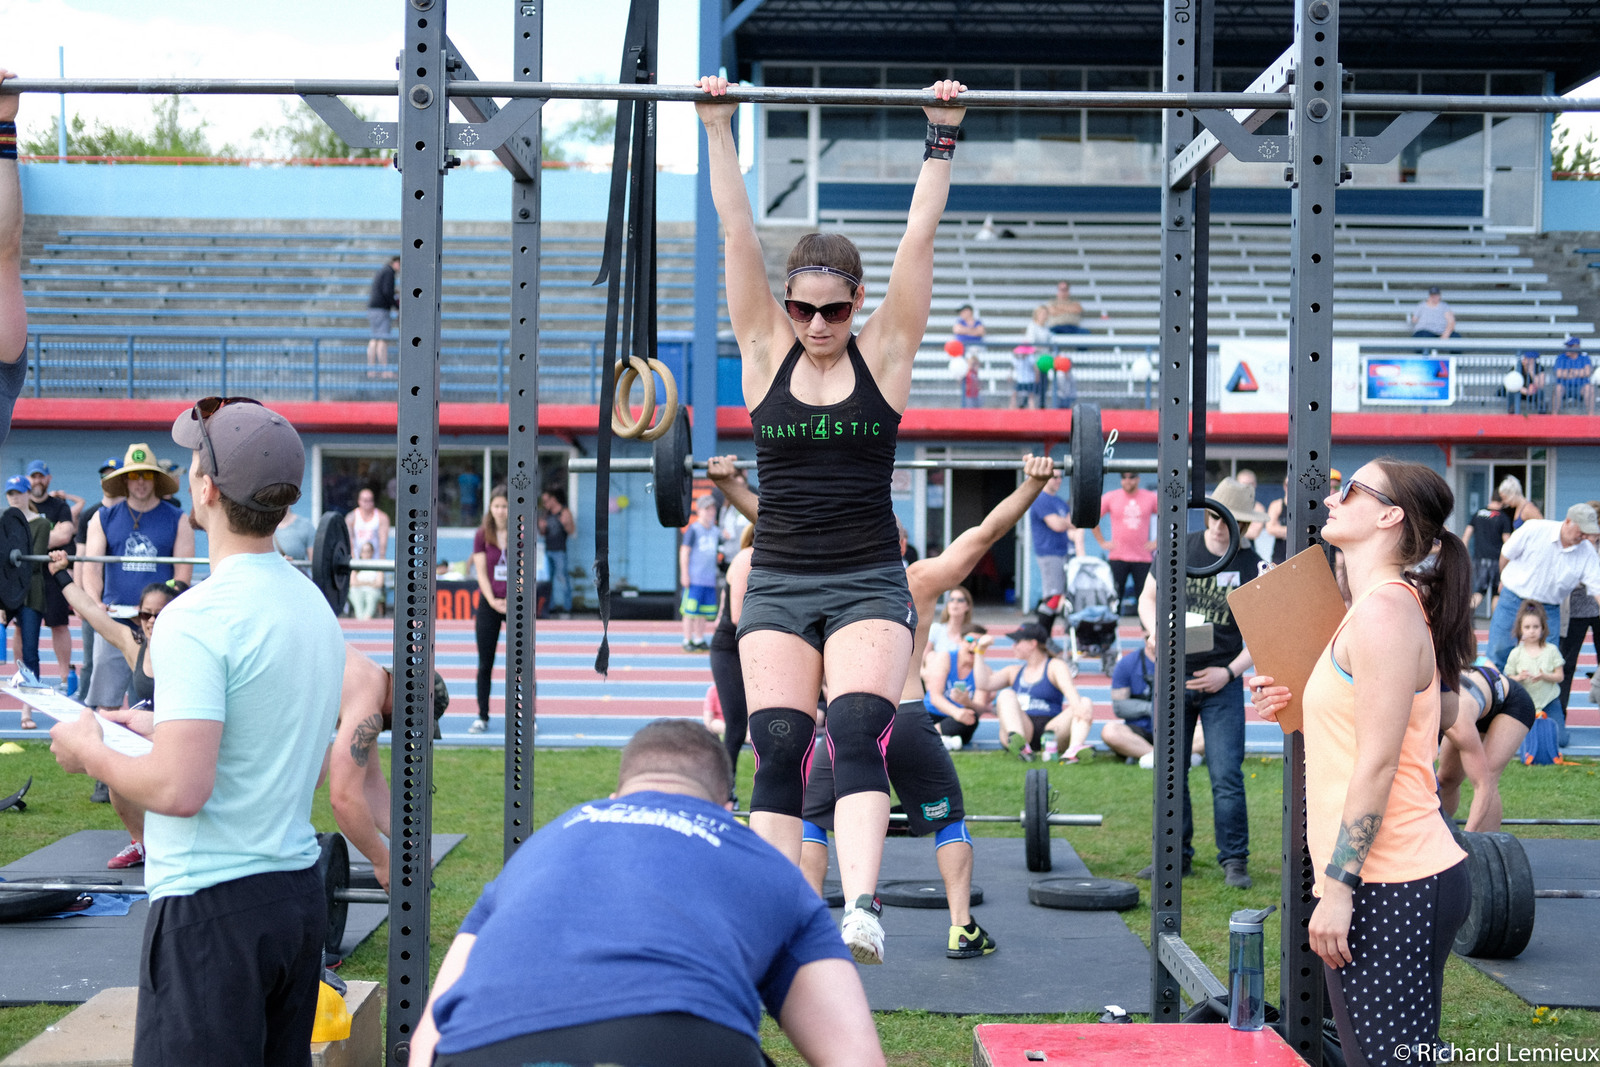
(1559, 36)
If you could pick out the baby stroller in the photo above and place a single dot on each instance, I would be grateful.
(1089, 613)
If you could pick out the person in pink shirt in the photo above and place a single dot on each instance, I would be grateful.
(1131, 547)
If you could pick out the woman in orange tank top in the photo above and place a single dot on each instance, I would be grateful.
(1393, 886)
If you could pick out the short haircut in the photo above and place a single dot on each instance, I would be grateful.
(249, 522)
(557, 492)
(681, 747)
(974, 628)
(1509, 486)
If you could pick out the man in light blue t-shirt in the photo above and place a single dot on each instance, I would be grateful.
(1055, 539)
(248, 668)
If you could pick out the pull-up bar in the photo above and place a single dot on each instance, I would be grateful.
(975, 98)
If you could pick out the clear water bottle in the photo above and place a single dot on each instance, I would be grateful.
(1247, 1009)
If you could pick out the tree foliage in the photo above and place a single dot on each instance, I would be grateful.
(303, 135)
(1575, 151)
(173, 133)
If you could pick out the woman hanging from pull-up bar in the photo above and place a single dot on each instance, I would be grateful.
(827, 597)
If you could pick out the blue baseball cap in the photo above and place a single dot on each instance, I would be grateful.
(1572, 342)
(18, 483)
(38, 467)
(112, 463)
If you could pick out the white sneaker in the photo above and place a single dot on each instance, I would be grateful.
(1148, 761)
(952, 742)
(863, 933)
(478, 726)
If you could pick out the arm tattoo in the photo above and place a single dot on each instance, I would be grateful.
(367, 732)
(1355, 841)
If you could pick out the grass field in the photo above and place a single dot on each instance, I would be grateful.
(1478, 1012)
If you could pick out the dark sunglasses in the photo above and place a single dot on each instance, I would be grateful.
(148, 616)
(208, 406)
(1344, 491)
(835, 313)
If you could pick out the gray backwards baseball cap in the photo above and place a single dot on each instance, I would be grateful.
(244, 446)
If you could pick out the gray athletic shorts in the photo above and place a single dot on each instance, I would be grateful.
(378, 322)
(816, 606)
(108, 686)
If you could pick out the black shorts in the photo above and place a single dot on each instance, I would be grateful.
(1517, 705)
(1145, 728)
(949, 727)
(56, 610)
(1041, 723)
(920, 769)
(816, 606)
(229, 974)
(671, 1039)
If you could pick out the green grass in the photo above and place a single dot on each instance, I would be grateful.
(468, 799)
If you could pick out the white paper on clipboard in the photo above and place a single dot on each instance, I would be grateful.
(119, 738)
(63, 708)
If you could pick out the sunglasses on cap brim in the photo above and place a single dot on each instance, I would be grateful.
(833, 314)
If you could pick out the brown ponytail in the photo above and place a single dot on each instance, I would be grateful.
(1445, 587)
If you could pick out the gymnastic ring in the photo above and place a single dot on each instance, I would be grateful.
(668, 407)
(1211, 505)
(622, 421)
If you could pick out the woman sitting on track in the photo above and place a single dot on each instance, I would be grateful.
(946, 635)
(827, 593)
(1492, 717)
(1035, 695)
(139, 717)
(1393, 884)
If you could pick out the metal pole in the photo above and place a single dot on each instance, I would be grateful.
(1172, 454)
(1314, 127)
(707, 260)
(61, 125)
(522, 450)
(424, 112)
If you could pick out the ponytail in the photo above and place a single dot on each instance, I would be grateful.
(1446, 590)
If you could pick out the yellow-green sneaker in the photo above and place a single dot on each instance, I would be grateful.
(969, 941)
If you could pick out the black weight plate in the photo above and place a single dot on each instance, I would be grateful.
(673, 481)
(1084, 894)
(14, 577)
(1494, 914)
(1036, 819)
(334, 866)
(330, 561)
(1088, 459)
(911, 893)
(1519, 895)
(833, 893)
(1473, 936)
(25, 904)
(15, 799)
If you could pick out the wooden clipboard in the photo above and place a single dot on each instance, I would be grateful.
(1287, 616)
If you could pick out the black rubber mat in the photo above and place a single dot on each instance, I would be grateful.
(67, 961)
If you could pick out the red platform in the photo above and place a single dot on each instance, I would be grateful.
(1170, 1044)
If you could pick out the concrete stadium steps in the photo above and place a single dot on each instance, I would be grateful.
(652, 677)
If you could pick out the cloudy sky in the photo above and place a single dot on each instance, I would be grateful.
(356, 39)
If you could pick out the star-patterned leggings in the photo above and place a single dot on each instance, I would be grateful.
(1400, 937)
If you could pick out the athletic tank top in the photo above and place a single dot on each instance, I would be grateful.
(825, 474)
(955, 684)
(1413, 841)
(366, 530)
(142, 533)
(141, 686)
(1040, 697)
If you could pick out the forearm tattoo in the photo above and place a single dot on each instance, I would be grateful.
(1355, 841)
(367, 732)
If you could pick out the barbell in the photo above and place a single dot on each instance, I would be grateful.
(1036, 818)
(673, 467)
(330, 564)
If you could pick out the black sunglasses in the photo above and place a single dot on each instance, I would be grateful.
(208, 406)
(149, 615)
(835, 313)
(1344, 491)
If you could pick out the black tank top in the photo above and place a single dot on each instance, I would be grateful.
(825, 476)
(141, 686)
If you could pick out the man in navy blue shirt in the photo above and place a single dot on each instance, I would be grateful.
(1055, 539)
(649, 927)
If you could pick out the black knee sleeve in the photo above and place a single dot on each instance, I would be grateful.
(782, 739)
(859, 726)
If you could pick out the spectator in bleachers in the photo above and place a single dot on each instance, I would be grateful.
(968, 328)
(382, 300)
(1574, 371)
(1528, 398)
(1432, 317)
(1025, 384)
(1064, 314)
(13, 311)
(61, 509)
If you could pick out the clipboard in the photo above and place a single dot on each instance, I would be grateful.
(1287, 616)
